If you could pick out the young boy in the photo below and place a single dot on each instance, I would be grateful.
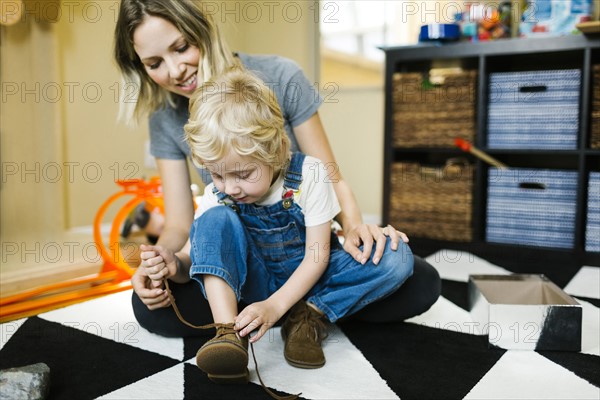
(263, 234)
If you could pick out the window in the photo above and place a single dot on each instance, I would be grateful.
(351, 32)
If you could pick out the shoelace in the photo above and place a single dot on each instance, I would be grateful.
(227, 327)
(317, 324)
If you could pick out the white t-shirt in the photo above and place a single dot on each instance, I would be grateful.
(315, 196)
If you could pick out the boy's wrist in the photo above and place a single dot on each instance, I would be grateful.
(279, 304)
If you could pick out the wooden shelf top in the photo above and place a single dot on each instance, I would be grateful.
(491, 48)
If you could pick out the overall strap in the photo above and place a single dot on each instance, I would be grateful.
(221, 199)
(293, 175)
(220, 195)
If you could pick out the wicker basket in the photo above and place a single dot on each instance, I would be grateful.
(595, 132)
(433, 116)
(433, 203)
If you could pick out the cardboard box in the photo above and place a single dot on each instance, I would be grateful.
(525, 312)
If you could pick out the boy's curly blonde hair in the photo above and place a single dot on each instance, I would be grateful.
(236, 111)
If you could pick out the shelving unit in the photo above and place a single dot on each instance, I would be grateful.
(568, 52)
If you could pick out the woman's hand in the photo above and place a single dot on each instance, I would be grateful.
(260, 315)
(365, 235)
(152, 297)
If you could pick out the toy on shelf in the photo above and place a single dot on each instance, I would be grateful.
(482, 22)
(469, 148)
(439, 32)
(115, 273)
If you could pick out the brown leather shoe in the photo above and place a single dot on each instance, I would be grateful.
(303, 331)
(224, 358)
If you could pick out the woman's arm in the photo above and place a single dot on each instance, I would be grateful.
(265, 314)
(313, 141)
(179, 214)
(179, 205)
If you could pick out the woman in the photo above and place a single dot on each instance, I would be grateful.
(168, 47)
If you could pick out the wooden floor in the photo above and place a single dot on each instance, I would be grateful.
(39, 262)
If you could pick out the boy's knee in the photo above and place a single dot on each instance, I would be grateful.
(218, 214)
(215, 217)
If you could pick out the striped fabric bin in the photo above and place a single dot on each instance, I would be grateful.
(592, 230)
(531, 207)
(534, 109)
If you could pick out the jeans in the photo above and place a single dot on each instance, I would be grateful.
(256, 249)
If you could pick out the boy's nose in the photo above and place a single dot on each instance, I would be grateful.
(232, 188)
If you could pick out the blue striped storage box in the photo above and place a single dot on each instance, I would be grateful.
(592, 230)
(534, 109)
(531, 207)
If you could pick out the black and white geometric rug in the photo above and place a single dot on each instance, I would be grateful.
(97, 350)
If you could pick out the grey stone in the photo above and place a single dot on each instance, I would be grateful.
(31, 382)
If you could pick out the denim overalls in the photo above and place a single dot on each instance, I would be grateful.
(255, 249)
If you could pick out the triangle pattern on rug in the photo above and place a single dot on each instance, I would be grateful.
(445, 314)
(583, 365)
(198, 386)
(590, 343)
(347, 374)
(421, 362)
(8, 329)
(456, 292)
(82, 365)
(164, 385)
(531, 376)
(585, 286)
(457, 265)
(586, 283)
(111, 317)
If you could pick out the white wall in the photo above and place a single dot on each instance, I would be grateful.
(353, 118)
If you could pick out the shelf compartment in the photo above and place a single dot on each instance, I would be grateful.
(433, 202)
(592, 231)
(534, 109)
(595, 117)
(532, 207)
(427, 113)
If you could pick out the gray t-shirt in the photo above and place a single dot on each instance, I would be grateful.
(297, 98)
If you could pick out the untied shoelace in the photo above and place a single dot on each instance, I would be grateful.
(227, 326)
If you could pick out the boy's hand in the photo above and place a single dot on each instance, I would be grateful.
(158, 263)
(260, 315)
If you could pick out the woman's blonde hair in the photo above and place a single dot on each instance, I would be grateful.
(236, 111)
(197, 28)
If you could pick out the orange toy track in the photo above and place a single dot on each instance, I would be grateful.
(115, 273)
